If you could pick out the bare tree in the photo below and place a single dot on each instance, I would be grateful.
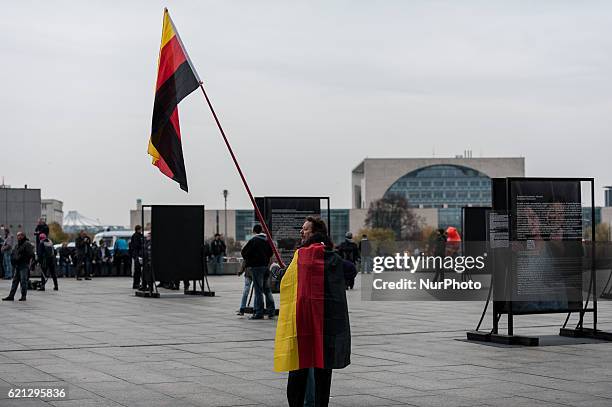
(393, 212)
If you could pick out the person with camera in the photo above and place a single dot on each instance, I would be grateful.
(21, 258)
(45, 254)
(82, 252)
(136, 254)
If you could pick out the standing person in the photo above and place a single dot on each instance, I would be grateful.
(440, 251)
(313, 330)
(217, 248)
(349, 251)
(365, 249)
(136, 254)
(121, 257)
(46, 258)
(65, 260)
(95, 260)
(81, 253)
(256, 254)
(21, 257)
(7, 248)
(104, 258)
(42, 227)
(88, 258)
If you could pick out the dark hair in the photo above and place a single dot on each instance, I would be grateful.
(137, 228)
(217, 234)
(318, 225)
(257, 229)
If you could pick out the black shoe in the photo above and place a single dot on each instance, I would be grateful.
(256, 317)
(22, 299)
(79, 279)
(87, 278)
(55, 288)
(42, 288)
(271, 316)
(240, 312)
(8, 299)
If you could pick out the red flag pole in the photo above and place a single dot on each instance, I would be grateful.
(246, 186)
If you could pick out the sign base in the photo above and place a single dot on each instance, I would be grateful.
(586, 333)
(503, 339)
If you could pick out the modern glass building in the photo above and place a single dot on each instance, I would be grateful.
(444, 186)
(437, 188)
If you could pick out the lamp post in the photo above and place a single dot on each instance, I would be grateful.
(225, 193)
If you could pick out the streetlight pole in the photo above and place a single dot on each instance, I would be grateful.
(225, 193)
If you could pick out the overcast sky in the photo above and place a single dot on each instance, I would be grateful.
(304, 91)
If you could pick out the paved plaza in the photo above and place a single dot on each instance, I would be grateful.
(109, 348)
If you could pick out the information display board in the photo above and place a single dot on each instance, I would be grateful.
(285, 217)
(177, 240)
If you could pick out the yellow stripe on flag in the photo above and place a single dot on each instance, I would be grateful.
(286, 356)
(153, 152)
(167, 30)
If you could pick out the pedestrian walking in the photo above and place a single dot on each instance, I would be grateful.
(22, 256)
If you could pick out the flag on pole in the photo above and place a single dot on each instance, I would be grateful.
(313, 324)
(176, 78)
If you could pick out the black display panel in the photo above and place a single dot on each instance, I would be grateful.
(285, 217)
(177, 233)
(546, 248)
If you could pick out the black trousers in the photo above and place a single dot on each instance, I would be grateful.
(137, 273)
(48, 269)
(296, 387)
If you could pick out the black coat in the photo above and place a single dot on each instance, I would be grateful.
(217, 247)
(257, 251)
(22, 254)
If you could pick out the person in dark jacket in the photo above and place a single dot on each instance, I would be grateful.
(348, 249)
(256, 254)
(136, 254)
(45, 254)
(21, 257)
(82, 250)
(440, 251)
(42, 227)
(65, 260)
(104, 258)
(217, 250)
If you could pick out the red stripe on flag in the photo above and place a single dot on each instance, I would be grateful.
(174, 119)
(163, 167)
(170, 58)
(310, 305)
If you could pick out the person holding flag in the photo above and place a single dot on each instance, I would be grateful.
(313, 329)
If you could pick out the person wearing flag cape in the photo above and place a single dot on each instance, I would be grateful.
(313, 329)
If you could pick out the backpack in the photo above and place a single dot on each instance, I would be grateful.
(48, 250)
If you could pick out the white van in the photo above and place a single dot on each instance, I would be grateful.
(111, 237)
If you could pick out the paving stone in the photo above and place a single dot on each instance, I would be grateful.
(119, 350)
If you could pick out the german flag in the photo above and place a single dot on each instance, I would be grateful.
(313, 327)
(176, 78)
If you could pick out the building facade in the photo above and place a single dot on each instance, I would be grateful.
(20, 209)
(52, 211)
(436, 188)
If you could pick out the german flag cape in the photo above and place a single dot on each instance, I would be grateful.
(313, 326)
(176, 78)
